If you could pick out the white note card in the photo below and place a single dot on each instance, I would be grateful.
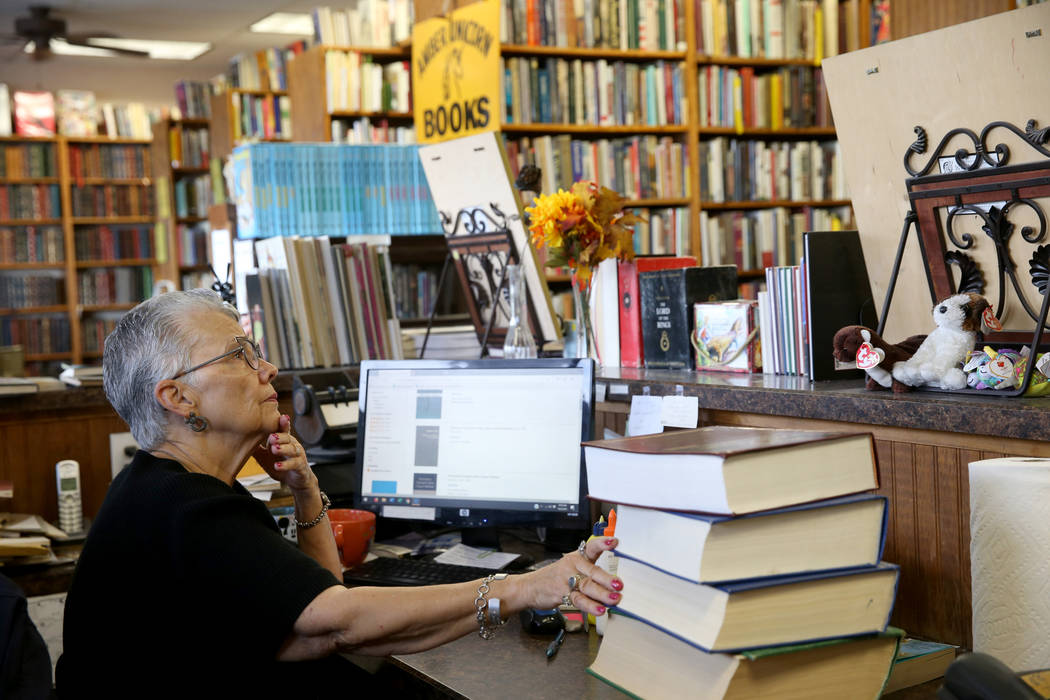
(645, 416)
(680, 411)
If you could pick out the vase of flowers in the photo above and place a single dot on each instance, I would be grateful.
(579, 229)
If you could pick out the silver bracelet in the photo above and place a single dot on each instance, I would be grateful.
(320, 516)
(487, 610)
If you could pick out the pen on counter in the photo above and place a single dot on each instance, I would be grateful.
(553, 647)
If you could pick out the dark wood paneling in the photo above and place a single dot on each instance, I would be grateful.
(30, 448)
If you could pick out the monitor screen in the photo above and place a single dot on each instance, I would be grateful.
(476, 443)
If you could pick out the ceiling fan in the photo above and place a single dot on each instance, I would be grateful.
(38, 30)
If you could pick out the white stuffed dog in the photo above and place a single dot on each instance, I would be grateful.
(938, 361)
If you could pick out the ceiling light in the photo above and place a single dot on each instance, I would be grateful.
(170, 50)
(300, 24)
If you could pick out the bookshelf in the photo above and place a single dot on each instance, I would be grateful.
(326, 110)
(182, 159)
(76, 241)
(248, 114)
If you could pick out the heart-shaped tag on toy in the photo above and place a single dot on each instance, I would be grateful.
(869, 356)
(990, 321)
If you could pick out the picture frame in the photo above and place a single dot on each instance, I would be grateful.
(484, 224)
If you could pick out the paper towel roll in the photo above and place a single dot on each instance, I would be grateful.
(1010, 560)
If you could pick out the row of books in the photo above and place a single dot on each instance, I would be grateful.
(649, 25)
(30, 202)
(113, 242)
(371, 23)
(639, 167)
(193, 98)
(806, 29)
(20, 290)
(784, 308)
(330, 189)
(789, 97)
(27, 160)
(665, 231)
(324, 304)
(23, 244)
(189, 148)
(94, 331)
(365, 131)
(602, 93)
(37, 335)
(758, 575)
(754, 240)
(353, 83)
(748, 170)
(193, 195)
(33, 113)
(258, 117)
(191, 243)
(196, 279)
(108, 160)
(263, 70)
(112, 200)
(415, 290)
(120, 285)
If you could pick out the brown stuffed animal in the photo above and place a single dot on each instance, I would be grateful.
(849, 339)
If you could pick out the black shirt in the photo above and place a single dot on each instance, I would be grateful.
(184, 585)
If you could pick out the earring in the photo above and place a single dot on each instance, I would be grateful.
(197, 424)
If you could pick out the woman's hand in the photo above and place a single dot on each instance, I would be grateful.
(284, 458)
(594, 589)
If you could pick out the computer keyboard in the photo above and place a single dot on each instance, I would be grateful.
(388, 571)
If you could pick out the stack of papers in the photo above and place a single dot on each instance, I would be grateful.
(26, 539)
(81, 375)
(260, 485)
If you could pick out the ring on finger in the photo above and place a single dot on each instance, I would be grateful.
(582, 549)
(566, 600)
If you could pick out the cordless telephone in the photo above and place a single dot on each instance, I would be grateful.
(70, 512)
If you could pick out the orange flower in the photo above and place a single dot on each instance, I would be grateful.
(582, 227)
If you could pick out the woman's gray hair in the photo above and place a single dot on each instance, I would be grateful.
(150, 343)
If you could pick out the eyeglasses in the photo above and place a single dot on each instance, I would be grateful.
(246, 347)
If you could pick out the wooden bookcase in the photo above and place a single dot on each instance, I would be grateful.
(100, 183)
(307, 88)
(181, 157)
(226, 131)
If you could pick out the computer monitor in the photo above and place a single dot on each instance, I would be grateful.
(475, 443)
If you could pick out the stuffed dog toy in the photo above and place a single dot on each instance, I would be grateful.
(938, 361)
(849, 340)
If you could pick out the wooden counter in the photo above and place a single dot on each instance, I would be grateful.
(924, 443)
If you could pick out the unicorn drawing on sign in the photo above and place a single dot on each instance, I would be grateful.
(453, 73)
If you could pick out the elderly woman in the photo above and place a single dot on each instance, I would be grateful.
(185, 584)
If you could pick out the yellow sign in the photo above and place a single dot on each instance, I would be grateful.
(455, 73)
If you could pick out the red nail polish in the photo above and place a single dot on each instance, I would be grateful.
(601, 610)
(609, 541)
(276, 437)
(277, 465)
(617, 584)
(614, 596)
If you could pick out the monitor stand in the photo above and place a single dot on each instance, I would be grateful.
(484, 537)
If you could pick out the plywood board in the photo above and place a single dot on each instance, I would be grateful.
(969, 75)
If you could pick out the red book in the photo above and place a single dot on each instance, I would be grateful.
(631, 348)
(532, 22)
(34, 113)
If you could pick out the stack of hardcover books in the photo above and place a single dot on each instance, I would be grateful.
(751, 565)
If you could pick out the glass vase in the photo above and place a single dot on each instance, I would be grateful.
(519, 343)
(581, 297)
